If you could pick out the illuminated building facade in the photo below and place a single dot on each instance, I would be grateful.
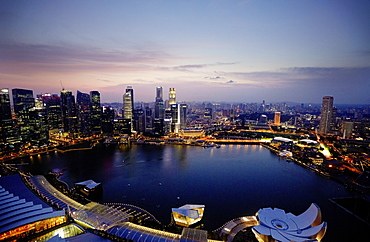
(172, 96)
(52, 104)
(327, 115)
(6, 123)
(277, 116)
(159, 105)
(183, 109)
(23, 213)
(188, 214)
(23, 101)
(69, 115)
(208, 113)
(83, 113)
(95, 112)
(128, 104)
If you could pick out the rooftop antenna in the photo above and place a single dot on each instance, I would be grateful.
(62, 85)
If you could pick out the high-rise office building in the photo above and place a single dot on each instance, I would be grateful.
(23, 100)
(83, 113)
(69, 116)
(183, 115)
(277, 116)
(159, 105)
(7, 133)
(107, 119)
(96, 112)
(172, 96)
(326, 122)
(175, 118)
(52, 105)
(128, 103)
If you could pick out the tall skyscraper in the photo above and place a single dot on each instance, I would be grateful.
(6, 124)
(52, 105)
(127, 105)
(172, 96)
(96, 112)
(175, 118)
(23, 100)
(183, 115)
(159, 105)
(277, 116)
(83, 113)
(131, 91)
(326, 122)
(69, 117)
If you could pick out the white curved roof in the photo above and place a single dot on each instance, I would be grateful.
(282, 139)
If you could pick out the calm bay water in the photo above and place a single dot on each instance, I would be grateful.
(233, 181)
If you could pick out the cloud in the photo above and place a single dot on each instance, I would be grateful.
(231, 81)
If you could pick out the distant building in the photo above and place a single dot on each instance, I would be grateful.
(83, 113)
(208, 113)
(95, 112)
(159, 105)
(128, 103)
(277, 116)
(69, 114)
(172, 96)
(107, 119)
(7, 133)
(183, 115)
(52, 104)
(23, 100)
(327, 120)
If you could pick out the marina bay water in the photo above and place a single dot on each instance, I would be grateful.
(233, 181)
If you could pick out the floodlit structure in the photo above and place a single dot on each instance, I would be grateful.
(188, 214)
(276, 225)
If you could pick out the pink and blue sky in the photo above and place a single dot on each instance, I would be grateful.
(210, 50)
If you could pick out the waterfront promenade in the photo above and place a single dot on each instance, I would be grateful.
(113, 221)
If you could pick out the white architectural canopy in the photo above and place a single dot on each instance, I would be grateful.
(276, 225)
(188, 214)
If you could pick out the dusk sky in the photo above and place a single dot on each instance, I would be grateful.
(221, 50)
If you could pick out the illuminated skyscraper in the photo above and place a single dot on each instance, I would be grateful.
(277, 116)
(127, 105)
(83, 113)
(69, 116)
(23, 100)
(326, 122)
(159, 105)
(183, 115)
(52, 105)
(172, 96)
(6, 123)
(95, 112)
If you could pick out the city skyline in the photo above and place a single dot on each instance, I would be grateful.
(232, 51)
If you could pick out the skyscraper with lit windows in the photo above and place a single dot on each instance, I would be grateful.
(6, 124)
(95, 112)
(327, 119)
(172, 96)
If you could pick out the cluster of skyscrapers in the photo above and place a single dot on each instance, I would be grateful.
(83, 116)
